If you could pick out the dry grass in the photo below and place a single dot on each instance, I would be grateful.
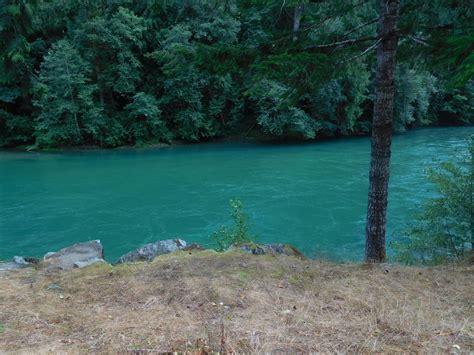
(235, 302)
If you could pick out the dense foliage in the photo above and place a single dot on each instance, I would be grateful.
(120, 72)
(444, 228)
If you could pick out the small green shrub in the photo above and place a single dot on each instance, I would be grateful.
(237, 233)
(443, 231)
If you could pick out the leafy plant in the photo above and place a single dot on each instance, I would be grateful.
(444, 228)
(414, 91)
(235, 234)
(278, 118)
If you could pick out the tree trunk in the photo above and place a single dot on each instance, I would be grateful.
(297, 20)
(382, 131)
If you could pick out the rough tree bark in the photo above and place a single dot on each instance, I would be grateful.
(382, 131)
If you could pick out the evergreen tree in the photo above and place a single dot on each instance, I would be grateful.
(64, 96)
(16, 24)
(382, 131)
(296, 68)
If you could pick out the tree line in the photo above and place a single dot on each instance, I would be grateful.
(120, 72)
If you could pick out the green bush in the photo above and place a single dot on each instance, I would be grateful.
(237, 233)
(443, 231)
(144, 122)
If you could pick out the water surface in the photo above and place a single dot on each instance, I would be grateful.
(313, 196)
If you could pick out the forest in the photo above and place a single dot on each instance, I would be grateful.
(253, 243)
(119, 72)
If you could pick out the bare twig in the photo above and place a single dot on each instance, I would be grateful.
(344, 43)
(419, 40)
(327, 18)
(361, 26)
(368, 49)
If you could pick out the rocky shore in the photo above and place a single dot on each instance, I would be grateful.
(91, 252)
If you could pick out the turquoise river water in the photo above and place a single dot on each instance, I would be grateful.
(313, 196)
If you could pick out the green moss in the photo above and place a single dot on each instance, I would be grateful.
(244, 276)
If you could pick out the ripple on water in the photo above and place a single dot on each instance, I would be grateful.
(313, 195)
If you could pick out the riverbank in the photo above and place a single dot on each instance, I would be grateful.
(206, 301)
(256, 139)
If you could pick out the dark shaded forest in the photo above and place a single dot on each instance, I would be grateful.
(118, 72)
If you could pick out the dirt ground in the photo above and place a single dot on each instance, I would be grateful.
(232, 302)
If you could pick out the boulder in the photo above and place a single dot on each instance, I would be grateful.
(76, 256)
(25, 260)
(270, 249)
(149, 251)
(19, 262)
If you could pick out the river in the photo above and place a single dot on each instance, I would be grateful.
(313, 196)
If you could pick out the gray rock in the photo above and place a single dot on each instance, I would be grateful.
(270, 249)
(76, 256)
(19, 262)
(149, 251)
(10, 266)
(25, 260)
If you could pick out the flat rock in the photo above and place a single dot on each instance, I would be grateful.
(76, 256)
(19, 262)
(149, 251)
(7, 266)
(270, 249)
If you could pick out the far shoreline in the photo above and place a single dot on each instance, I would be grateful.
(251, 140)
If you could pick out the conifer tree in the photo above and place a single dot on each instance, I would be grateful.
(64, 96)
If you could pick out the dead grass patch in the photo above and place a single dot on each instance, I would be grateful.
(236, 302)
